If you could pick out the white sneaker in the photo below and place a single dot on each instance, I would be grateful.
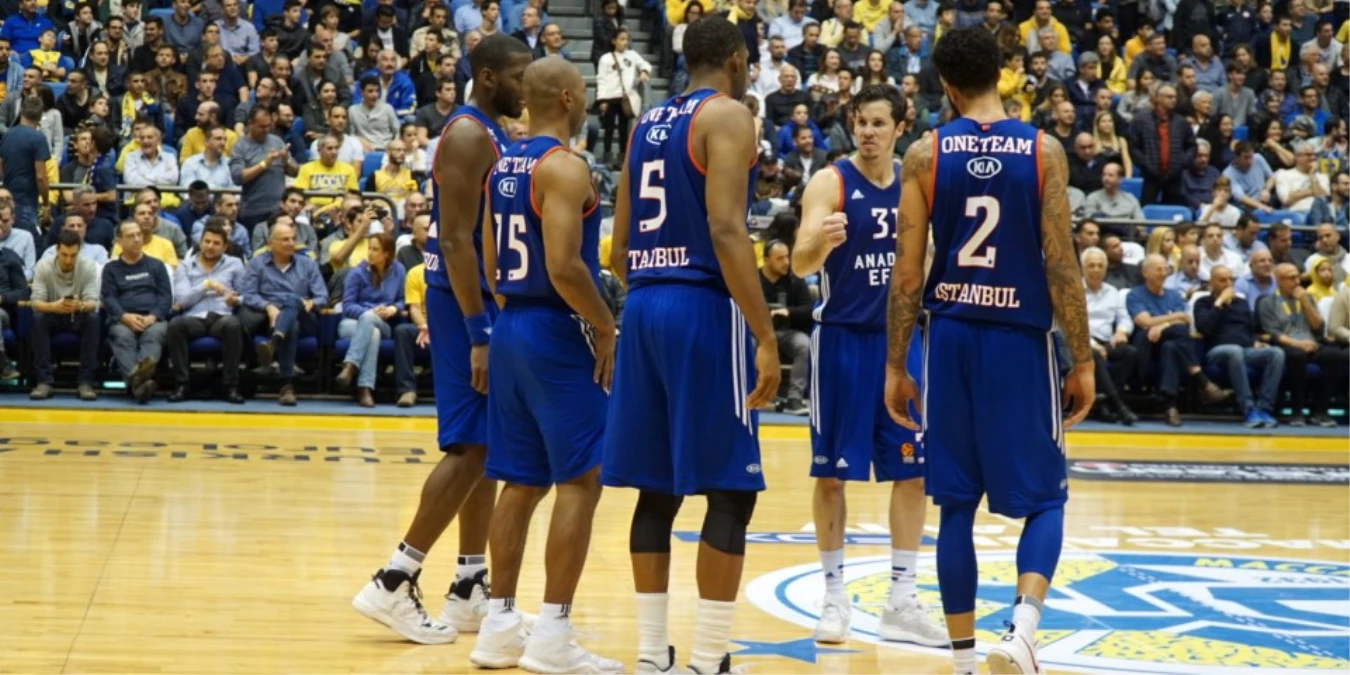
(836, 614)
(560, 654)
(649, 666)
(724, 667)
(910, 622)
(499, 648)
(393, 598)
(466, 603)
(1015, 654)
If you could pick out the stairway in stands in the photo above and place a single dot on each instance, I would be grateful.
(575, 19)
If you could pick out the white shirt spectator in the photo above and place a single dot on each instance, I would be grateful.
(789, 30)
(768, 79)
(1106, 312)
(617, 73)
(350, 151)
(1289, 181)
(1227, 258)
(141, 171)
(1227, 217)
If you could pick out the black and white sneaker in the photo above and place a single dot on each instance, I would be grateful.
(466, 603)
(650, 666)
(394, 599)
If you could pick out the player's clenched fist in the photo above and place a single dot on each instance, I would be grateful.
(835, 227)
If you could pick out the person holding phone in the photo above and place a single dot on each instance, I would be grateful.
(65, 299)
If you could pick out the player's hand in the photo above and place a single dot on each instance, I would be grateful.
(478, 364)
(1080, 392)
(835, 228)
(767, 378)
(901, 391)
(605, 338)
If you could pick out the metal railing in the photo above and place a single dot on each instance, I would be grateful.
(123, 190)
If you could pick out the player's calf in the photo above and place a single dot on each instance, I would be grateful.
(721, 558)
(649, 546)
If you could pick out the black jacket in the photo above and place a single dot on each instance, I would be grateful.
(789, 292)
(1145, 146)
(1228, 325)
(13, 285)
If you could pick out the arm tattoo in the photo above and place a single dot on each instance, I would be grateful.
(906, 296)
(1062, 274)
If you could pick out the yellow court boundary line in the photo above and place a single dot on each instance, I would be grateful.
(1080, 440)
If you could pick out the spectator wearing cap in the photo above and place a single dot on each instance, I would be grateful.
(1084, 86)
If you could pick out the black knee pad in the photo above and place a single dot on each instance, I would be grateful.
(729, 513)
(652, 521)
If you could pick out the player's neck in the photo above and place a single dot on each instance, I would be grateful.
(555, 129)
(484, 103)
(708, 80)
(879, 171)
(984, 109)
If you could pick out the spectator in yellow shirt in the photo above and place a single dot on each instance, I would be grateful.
(159, 248)
(394, 179)
(352, 249)
(1040, 19)
(1135, 45)
(870, 12)
(326, 173)
(832, 29)
(194, 141)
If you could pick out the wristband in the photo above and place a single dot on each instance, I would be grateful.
(479, 327)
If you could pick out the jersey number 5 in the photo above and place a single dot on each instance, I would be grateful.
(648, 188)
(516, 227)
(968, 256)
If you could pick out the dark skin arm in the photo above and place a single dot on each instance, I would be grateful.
(563, 186)
(462, 164)
(727, 154)
(618, 249)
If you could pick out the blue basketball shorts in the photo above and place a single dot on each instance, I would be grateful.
(461, 412)
(851, 432)
(678, 423)
(546, 414)
(993, 417)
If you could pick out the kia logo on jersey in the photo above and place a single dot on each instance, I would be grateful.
(984, 167)
(507, 186)
(658, 135)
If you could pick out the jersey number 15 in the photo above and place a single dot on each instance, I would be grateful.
(516, 228)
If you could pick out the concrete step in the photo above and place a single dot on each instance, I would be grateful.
(569, 7)
(584, 24)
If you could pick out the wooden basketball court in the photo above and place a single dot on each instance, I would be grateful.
(155, 542)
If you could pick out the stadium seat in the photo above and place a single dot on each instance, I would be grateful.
(58, 88)
(163, 13)
(1240, 133)
(1134, 186)
(1290, 217)
(1166, 212)
(371, 163)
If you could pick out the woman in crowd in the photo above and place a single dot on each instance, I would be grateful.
(1110, 145)
(826, 79)
(1163, 241)
(1323, 277)
(1273, 148)
(874, 72)
(372, 300)
(1112, 70)
(1219, 132)
(680, 78)
(605, 28)
(1044, 115)
(1138, 98)
(619, 74)
(316, 113)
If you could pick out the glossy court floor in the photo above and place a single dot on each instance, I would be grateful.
(202, 543)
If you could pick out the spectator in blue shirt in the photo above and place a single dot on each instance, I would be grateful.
(395, 85)
(1252, 179)
(1334, 209)
(205, 286)
(138, 298)
(1162, 335)
(372, 299)
(1310, 106)
(23, 29)
(281, 294)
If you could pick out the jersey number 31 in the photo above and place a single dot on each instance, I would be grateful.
(969, 255)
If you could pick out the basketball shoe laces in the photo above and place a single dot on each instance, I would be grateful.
(415, 595)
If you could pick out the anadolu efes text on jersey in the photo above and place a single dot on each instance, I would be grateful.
(986, 221)
(855, 278)
(669, 240)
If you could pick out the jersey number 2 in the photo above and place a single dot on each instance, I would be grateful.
(516, 227)
(968, 256)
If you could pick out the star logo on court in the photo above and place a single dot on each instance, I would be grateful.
(804, 650)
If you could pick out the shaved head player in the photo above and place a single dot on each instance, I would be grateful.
(995, 191)
(460, 311)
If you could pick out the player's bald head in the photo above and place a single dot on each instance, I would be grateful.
(554, 88)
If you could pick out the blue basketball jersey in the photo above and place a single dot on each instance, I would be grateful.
(986, 221)
(669, 240)
(856, 275)
(521, 273)
(435, 270)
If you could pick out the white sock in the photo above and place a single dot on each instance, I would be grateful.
(963, 656)
(904, 569)
(501, 614)
(653, 638)
(712, 631)
(554, 619)
(470, 565)
(1027, 615)
(832, 563)
(407, 559)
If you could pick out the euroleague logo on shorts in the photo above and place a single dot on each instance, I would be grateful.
(658, 134)
(507, 186)
(984, 168)
(1123, 612)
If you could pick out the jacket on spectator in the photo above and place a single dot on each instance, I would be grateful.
(142, 288)
(1144, 146)
(360, 294)
(790, 292)
(1228, 325)
(401, 94)
(13, 283)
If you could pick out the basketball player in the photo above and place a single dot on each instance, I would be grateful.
(549, 370)
(995, 190)
(459, 315)
(682, 418)
(848, 234)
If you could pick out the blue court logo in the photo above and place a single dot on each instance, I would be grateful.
(1124, 612)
